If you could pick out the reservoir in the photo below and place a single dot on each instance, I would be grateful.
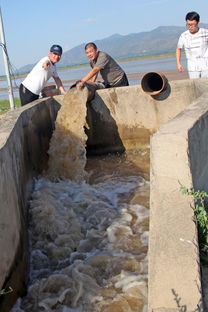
(69, 76)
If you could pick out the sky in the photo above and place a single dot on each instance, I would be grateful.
(31, 27)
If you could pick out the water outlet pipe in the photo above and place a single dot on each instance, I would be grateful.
(154, 83)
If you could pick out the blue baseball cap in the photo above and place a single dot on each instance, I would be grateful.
(56, 49)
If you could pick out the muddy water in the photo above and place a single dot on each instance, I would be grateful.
(89, 240)
(88, 237)
(67, 153)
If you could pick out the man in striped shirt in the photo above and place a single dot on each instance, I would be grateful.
(195, 43)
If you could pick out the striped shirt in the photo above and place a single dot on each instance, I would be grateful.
(196, 48)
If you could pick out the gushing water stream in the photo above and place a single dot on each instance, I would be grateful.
(88, 240)
(67, 147)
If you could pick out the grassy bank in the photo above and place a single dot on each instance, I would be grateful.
(5, 106)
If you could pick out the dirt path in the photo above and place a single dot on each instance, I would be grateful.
(170, 75)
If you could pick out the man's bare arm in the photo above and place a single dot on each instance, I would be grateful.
(59, 85)
(178, 60)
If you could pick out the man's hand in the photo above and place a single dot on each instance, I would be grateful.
(180, 68)
(80, 84)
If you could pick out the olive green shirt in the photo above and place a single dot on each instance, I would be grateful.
(110, 71)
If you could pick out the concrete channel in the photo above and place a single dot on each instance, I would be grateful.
(173, 123)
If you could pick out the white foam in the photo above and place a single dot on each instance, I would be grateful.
(92, 219)
(67, 154)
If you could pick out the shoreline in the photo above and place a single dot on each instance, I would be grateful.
(170, 75)
(136, 58)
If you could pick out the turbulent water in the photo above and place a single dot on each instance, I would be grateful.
(88, 241)
(67, 153)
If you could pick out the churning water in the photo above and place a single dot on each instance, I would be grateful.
(89, 231)
(67, 152)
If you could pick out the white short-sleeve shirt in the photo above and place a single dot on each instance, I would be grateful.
(196, 49)
(38, 77)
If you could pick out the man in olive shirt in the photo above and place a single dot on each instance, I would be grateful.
(111, 73)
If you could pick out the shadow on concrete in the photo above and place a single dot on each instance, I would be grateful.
(101, 130)
(38, 135)
(183, 307)
(163, 95)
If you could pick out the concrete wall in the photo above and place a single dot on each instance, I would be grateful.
(24, 139)
(125, 118)
(178, 158)
(122, 118)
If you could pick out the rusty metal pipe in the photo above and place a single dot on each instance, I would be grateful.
(154, 83)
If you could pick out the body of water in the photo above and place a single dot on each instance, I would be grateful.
(69, 76)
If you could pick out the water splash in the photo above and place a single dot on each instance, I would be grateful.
(67, 153)
(88, 247)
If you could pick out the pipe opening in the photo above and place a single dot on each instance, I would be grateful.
(153, 83)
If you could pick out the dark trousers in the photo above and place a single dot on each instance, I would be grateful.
(122, 83)
(26, 96)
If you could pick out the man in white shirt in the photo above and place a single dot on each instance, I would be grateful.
(36, 80)
(195, 43)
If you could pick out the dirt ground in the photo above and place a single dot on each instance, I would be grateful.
(170, 75)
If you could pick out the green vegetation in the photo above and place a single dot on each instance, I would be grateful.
(147, 57)
(201, 218)
(73, 66)
(6, 291)
(5, 107)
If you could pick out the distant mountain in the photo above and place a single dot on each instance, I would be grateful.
(160, 40)
(163, 39)
(25, 69)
